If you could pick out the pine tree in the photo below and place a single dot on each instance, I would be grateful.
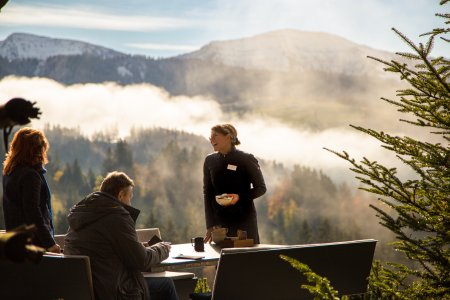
(419, 208)
(121, 159)
(124, 158)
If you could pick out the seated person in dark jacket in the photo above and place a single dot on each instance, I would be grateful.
(102, 226)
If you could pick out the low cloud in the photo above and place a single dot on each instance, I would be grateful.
(86, 19)
(109, 107)
(272, 140)
(102, 107)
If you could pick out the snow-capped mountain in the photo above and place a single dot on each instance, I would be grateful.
(286, 74)
(22, 45)
(292, 50)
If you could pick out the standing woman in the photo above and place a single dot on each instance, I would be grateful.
(237, 174)
(26, 196)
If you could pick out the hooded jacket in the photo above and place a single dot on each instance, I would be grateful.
(103, 228)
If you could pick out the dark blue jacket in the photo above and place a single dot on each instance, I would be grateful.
(26, 200)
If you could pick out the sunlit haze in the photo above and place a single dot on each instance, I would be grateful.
(170, 28)
(113, 108)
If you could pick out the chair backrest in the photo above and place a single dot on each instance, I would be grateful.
(263, 275)
(144, 235)
(53, 277)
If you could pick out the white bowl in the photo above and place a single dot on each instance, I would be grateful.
(223, 199)
(218, 236)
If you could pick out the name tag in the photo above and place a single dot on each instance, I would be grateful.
(232, 167)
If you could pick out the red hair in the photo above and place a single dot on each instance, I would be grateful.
(28, 147)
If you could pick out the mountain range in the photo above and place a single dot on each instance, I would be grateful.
(283, 50)
(291, 51)
(19, 46)
(311, 79)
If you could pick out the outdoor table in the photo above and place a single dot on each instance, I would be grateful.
(210, 257)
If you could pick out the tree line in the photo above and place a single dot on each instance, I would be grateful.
(302, 205)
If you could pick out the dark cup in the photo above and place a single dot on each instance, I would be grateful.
(198, 244)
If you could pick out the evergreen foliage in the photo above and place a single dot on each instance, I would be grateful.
(415, 209)
(422, 219)
(320, 288)
(202, 286)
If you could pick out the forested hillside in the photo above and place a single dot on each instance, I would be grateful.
(302, 205)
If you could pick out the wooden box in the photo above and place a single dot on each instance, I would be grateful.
(236, 243)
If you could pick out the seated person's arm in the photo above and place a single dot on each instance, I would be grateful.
(132, 252)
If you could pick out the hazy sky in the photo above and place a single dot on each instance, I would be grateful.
(167, 28)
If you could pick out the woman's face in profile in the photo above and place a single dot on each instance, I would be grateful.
(40, 150)
(220, 142)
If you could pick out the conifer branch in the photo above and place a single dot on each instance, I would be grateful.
(321, 287)
(416, 210)
(423, 55)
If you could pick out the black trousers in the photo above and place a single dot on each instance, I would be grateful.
(161, 288)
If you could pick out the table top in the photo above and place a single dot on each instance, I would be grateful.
(209, 257)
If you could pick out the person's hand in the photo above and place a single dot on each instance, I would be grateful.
(54, 249)
(167, 245)
(162, 249)
(234, 199)
(145, 244)
(208, 237)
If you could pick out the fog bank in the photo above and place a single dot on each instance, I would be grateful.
(109, 107)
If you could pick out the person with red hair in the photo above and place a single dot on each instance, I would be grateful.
(26, 195)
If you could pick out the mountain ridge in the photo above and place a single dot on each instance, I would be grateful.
(289, 50)
(25, 46)
(319, 90)
(284, 50)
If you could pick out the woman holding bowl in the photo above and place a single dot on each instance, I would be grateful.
(237, 176)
